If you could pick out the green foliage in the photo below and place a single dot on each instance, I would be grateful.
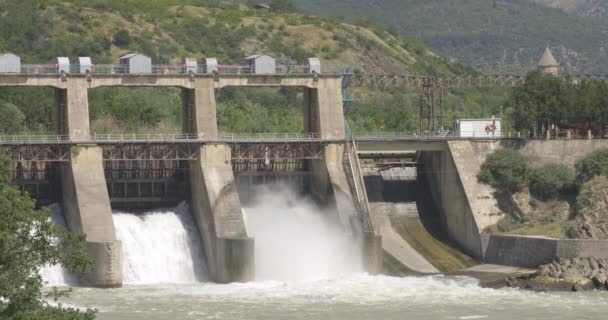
(542, 100)
(122, 38)
(550, 181)
(11, 118)
(40, 31)
(28, 241)
(505, 170)
(594, 164)
(260, 111)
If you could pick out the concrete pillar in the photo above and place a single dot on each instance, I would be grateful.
(217, 209)
(87, 210)
(323, 111)
(372, 253)
(200, 110)
(330, 185)
(589, 135)
(73, 110)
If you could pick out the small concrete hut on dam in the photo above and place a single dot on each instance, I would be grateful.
(214, 171)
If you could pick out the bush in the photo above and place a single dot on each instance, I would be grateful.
(11, 118)
(122, 38)
(505, 170)
(594, 164)
(550, 181)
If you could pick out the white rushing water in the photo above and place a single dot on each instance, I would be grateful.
(161, 246)
(306, 268)
(55, 275)
(350, 297)
(297, 241)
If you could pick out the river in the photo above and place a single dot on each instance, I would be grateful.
(305, 269)
(341, 298)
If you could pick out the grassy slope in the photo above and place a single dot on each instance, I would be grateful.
(41, 30)
(475, 32)
(227, 32)
(585, 8)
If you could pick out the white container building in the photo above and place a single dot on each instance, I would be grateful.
(478, 128)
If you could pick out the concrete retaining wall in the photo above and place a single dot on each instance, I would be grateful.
(539, 152)
(217, 210)
(87, 210)
(466, 206)
(531, 252)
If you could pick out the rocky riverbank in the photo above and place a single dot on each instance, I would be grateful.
(575, 274)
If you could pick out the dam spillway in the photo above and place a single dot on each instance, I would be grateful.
(161, 246)
(296, 240)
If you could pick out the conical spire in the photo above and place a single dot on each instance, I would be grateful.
(547, 60)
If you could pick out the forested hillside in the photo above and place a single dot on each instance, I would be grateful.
(486, 33)
(585, 8)
(168, 30)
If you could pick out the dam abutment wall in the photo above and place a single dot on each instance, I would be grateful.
(85, 197)
(216, 207)
(466, 206)
(87, 211)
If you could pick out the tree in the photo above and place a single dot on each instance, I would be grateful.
(28, 241)
(594, 164)
(505, 170)
(551, 180)
(11, 118)
(542, 101)
(122, 38)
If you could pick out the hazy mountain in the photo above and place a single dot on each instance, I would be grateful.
(486, 33)
(585, 8)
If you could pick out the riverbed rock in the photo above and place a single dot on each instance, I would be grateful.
(599, 280)
(577, 274)
(592, 210)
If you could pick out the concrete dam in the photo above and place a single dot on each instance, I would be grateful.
(217, 185)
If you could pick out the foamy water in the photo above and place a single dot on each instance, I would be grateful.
(55, 275)
(343, 298)
(295, 240)
(306, 268)
(161, 246)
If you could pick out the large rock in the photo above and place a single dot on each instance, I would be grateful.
(576, 274)
(592, 210)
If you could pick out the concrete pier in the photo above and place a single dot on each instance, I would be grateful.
(87, 211)
(86, 201)
(217, 210)
(372, 253)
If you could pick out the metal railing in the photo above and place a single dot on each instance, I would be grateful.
(39, 68)
(171, 137)
(269, 137)
(356, 175)
(178, 69)
(445, 135)
(177, 137)
(33, 139)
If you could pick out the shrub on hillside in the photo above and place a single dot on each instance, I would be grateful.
(550, 181)
(594, 164)
(122, 38)
(505, 170)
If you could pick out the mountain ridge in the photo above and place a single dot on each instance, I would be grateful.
(488, 35)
